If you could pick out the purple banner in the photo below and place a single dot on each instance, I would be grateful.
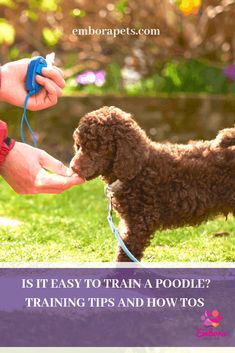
(117, 307)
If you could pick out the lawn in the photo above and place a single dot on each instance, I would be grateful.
(72, 227)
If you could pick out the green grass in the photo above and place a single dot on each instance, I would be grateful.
(72, 227)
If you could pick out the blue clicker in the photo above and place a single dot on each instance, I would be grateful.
(35, 68)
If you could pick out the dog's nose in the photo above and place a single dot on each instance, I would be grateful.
(73, 166)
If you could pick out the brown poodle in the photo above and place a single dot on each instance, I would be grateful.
(155, 185)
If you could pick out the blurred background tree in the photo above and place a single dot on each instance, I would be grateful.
(196, 43)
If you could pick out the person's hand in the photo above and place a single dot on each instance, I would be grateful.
(13, 90)
(24, 170)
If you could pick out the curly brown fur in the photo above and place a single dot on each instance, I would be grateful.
(160, 185)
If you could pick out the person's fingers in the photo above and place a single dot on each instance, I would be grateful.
(54, 75)
(48, 100)
(47, 83)
(55, 184)
(50, 163)
(59, 70)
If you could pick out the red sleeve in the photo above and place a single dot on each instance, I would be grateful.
(6, 143)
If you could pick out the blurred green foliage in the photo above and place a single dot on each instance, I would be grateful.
(7, 3)
(193, 76)
(78, 13)
(51, 36)
(184, 76)
(113, 78)
(121, 5)
(44, 5)
(7, 32)
(190, 76)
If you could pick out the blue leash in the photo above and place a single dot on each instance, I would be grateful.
(119, 239)
(115, 231)
(25, 120)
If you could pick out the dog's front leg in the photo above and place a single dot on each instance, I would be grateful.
(136, 238)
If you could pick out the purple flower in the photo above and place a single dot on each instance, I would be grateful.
(92, 77)
(229, 72)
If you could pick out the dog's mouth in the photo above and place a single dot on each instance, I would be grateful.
(82, 175)
(77, 171)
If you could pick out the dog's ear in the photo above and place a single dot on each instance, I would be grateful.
(131, 150)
